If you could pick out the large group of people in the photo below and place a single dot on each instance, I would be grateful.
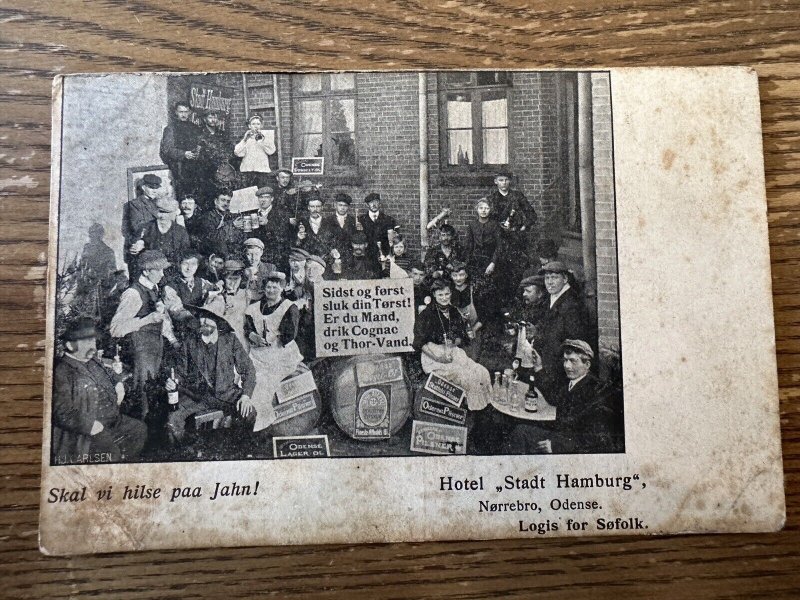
(218, 307)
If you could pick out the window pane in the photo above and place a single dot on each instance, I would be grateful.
(493, 78)
(495, 146)
(310, 116)
(495, 112)
(309, 83)
(460, 78)
(343, 81)
(459, 111)
(311, 145)
(343, 114)
(460, 147)
(344, 149)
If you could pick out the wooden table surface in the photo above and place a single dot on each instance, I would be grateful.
(41, 39)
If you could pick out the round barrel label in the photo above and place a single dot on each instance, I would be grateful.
(373, 405)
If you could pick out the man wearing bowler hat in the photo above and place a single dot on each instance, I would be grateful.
(87, 423)
(378, 227)
(210, 366)
(140, 211)
(142, 322)
(588, 418)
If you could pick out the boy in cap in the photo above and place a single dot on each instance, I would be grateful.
(87, 423)
(254, 149)
(378, 228)
(256, 271)
(142, 322)
(563, 317)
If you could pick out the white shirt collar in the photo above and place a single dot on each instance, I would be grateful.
(146, 282)
(374, 215)
(210, 339)
(558, 295)
(574, 382)
(341, 219)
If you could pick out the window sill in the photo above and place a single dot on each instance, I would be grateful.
(484, 178)
(343, 179)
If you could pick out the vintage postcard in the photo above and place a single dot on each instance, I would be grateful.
(407, 306)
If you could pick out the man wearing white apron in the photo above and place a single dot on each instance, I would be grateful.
(271, 327)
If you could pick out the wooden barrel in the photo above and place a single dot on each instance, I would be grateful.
(301, 424)
(345, 395)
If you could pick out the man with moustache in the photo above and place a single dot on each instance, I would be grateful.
(313, 235)
(232, 300)
(87, 423)
(180, 147)
(208, 372)
(285, 193)
(356, 264)
(165, 234)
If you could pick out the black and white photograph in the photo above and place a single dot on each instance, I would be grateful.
(335, 265)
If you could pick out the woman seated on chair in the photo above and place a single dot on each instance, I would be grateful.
(439, 334)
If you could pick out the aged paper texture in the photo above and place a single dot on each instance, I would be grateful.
(370, 307)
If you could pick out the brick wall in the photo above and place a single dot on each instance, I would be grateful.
(605, 215)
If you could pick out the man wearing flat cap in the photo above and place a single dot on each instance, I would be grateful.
(164, 233)
(588, 419)
(256, 271)
(209, 369)
(295, 289)
(563, 317)
(232, 301)
(87, 423)
(271, 326)
(139, 212)
(273, 229)
(377, 227)
(142, 322)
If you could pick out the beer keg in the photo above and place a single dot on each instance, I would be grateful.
(360, 394)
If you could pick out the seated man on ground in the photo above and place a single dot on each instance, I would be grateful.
(213, 373)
